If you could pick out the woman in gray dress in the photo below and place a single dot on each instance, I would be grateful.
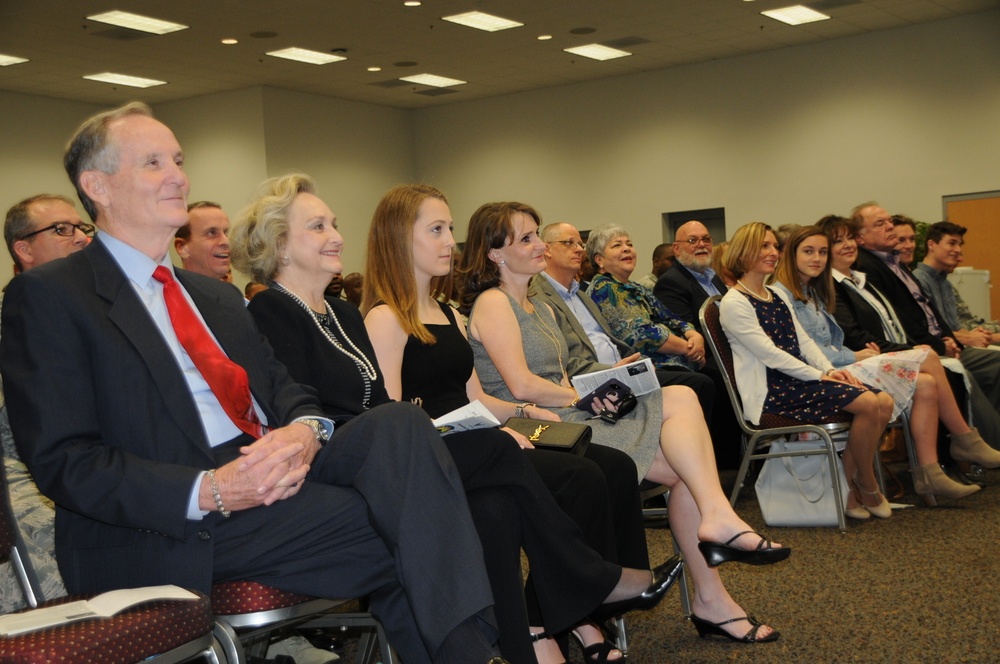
(521, 356)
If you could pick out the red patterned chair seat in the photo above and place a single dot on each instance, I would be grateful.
(236, 597)
(131, 636)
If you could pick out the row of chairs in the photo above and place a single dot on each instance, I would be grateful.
(237, 621)
(757, 439)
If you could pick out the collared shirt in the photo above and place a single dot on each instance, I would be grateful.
(649, 281)
(892, 329)
(607, 352)
(892, 260)
(139, 267)
(704, 279)
(940, 291)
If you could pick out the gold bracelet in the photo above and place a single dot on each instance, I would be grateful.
(574, 401)
(519, 410)
(218, 496)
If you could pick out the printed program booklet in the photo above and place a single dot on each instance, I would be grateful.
(104, 605)
(468, 417)
(639, 376)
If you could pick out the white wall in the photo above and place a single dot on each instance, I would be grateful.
(355, 152)
(904, 116)
(33, 135)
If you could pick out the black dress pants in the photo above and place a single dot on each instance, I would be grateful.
(514, 509)
(382, 513)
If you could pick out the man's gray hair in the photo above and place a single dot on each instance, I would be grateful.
(91, 150)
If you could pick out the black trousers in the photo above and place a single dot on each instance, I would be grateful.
(513, 509)
(382, 513)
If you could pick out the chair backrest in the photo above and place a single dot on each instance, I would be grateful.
(12, 547)
(711, 327)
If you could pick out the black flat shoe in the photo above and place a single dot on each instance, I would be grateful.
(717, 553)
(664, 577)
(706, 628)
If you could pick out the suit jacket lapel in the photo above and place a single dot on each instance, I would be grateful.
(131, 317)
(556, 299)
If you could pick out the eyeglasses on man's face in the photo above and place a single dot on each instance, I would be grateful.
(64, 229)
(692, 241)
(570, 244)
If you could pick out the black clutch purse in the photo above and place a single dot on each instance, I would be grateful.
(558, 436)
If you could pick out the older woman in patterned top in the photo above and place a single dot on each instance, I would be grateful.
(639, 319)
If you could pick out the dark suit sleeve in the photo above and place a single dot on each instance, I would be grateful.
(80, 440)
(857, 337)
(673, 291)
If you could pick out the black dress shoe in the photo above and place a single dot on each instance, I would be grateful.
(664, 577)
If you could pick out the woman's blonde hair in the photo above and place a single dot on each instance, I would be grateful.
(744, 247)
(260, 230)
(787, 272)
(491, 227)
(389, 276)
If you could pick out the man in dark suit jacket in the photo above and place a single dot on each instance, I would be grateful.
(152, 480)
(921, 321)
(686, 285)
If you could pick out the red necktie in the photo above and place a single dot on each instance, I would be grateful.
(227, 379)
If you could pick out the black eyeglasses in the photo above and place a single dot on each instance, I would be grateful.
(65, 229)
(569, 244)
(695, 240)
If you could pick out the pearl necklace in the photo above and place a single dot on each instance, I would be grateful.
(752, 293)
(365, 366)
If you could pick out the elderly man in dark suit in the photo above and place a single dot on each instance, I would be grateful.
(177, 449)
(684, 288)
(920, 319)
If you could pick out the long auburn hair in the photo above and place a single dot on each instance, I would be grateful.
(491, 227)
(819, 287)
(389, 277)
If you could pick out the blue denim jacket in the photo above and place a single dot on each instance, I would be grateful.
(821, 327)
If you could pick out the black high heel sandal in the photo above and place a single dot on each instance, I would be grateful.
(708, 628)
(597, 653)
(664, 576)
(717, 553)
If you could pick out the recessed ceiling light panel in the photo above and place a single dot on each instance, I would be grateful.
(432, 80)
(481, 21)
(7, 60)
(123, 79)
(795, 15)
(305, 55)
(597, 52)
(137, 22)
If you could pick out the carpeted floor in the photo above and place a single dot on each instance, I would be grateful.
(921, 586)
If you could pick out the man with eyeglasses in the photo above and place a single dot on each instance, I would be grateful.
(43, 228)
(691, 280)
(38, 230)
(663, 258)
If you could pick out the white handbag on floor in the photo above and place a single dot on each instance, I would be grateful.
(798, 491)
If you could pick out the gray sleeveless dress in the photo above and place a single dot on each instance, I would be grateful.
(637, 434)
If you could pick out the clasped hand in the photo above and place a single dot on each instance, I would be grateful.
(270, 469)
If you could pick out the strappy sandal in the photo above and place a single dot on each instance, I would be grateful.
(597, 653)
(717, 553)
(708, 628)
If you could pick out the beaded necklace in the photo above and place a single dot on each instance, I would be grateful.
(325, 323)
(746, 289)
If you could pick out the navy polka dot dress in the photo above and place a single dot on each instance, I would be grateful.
(800, 400)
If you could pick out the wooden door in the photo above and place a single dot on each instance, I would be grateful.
(981, 215)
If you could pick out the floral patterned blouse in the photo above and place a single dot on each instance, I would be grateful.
(639, 319)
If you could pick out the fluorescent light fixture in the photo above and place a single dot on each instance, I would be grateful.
(795, 15)
(6, 60)
(411, 3)
(137, 22)
(305, 55)
(123, 79)
(481, 21)
(432, 80)
(597, 52)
